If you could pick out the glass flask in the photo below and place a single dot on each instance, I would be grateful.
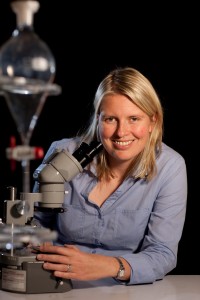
(27, 72)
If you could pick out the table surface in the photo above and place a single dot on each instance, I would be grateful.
(172, 287)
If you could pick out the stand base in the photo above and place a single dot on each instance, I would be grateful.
(31, 278)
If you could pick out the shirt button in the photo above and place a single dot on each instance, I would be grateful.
(97, 242)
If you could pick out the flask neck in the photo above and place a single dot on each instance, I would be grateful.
(24, 29)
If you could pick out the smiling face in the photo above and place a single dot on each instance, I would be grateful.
(124, 128)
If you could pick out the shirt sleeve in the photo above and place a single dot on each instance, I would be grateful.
(158, 253)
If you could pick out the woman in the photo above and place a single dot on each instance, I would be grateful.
(124, 214)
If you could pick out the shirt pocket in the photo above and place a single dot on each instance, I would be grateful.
(130, 227)
(74, 225)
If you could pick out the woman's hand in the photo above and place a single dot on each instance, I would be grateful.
(69, 262)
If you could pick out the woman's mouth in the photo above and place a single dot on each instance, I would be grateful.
(122, 143)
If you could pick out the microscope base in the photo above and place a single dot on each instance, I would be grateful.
(30, 278)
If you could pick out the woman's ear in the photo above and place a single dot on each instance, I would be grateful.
(154, 118)
(153, 122)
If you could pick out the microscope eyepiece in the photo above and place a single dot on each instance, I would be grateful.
(85, 153)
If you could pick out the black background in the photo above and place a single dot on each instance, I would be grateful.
(88, 39)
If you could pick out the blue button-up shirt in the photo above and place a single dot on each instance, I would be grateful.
(142, 221)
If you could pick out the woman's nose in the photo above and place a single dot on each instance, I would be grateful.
(122, 129)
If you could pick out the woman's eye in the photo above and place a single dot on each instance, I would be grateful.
(109, 120)
(133, 119)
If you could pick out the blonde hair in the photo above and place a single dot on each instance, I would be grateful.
(132, 84)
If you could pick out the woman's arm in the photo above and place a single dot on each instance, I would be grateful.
(69, 262)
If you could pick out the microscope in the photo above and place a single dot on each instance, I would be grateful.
(27, 73)
(19, 270)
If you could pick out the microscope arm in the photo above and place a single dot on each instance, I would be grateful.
(59, 167)
(51, 175)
